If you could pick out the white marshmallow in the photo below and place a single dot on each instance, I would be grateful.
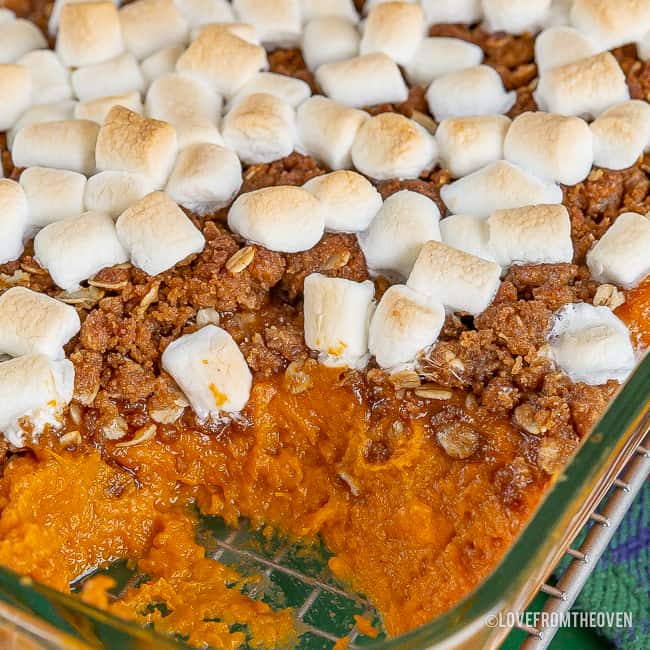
(460, 281)
(643, 47)
(289, 89)
(558, 46)
(404, 324)
(515, 16)
(191, 107)
(115, 77)
(96, 110)
(54, 112)
(113, 192)
(497, 186)
(319, 8)
(473, 91)
(396, 235)
(69, 144)
(36, 389)
(210, 369)
(535, 234)
(277, 22)
(157, 233)
(390, 145)
(17, 37)
(466, 144)
(363, 81)
(203, 12)
(132, 143)
(281, 218)
(33, 323)
(52, 194)
(205, 178)
(452, 11)
(16, 93)
(558, 14)
(149, 25)
(6, 15)
(467, 233)
(591, 345)
(438, 56)
(621, 254)
(74, 250)
(337, 317)
(327, 129)
(586, 88)
(160, 63)
(260, 128)
(50, 80)
(621, 134)
(351, 201)
(13, 225)
(242, 30)
(328, 39)
(369, 4)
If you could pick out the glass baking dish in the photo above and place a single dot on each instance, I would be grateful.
(33, 615)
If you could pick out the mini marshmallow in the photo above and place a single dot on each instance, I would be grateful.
(210, 369)
(351, 201)
(55, 14)
(515, 16)
(621, 254)
(74, 250)
(203, 12)
(242, 30)
(89, 32)
(452, 11)
(13, 225)
(363, 81)
(223, 60)
(160, 63)
(473, 91)
(289, 89)
(460, 281)
(467, 233)
(68, 144)
(149, 25)
(189, 106)
(157, 233)
(394, 28)
(558, 14)
(586, 88)
(115, 77)
(17, 37)
(33, 323)
(50, 80)
(277, 22)
(281, 218)
(390, 145)
(643, 47)
(52, 194)
(205, 178)
(36, 389)
(591, 345)
(329, 39)
(497, 186)
(535, 234)
(113, 192)
(396, 235)
(621, 134)
(6, 15)
(97, 109)
(260, 128)
(369, 4)
(466, 144)
(54, 112)
(404, 324)
(132, 143)
(16, 93)
(558, 46)
(337, 316)
(438, 56)
(327, 129)
(319, 8)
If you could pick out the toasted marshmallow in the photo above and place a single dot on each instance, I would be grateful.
(260, 128)
(210, 369)
(329, 39)
(438, 56)
(50, 80)
(115, 77)
(132, 143)
(97, 109)
(291, 90)
(558, 46)
(467, 233)
(497, 186)
(52, 194)
(351, 201)
(277, 22)
(452, 11)
(587, 87)
(74, 250)
(621, 134)
(113, 192)
(17, 37)
(591, 345)
(473, 91)
(396, 235)
(149, 25)
(363, 81)
(35, 391)
(535, 234)
(515, 16)
(57, 7)
(466, 144)
(319, 8)
(69, 144)
(203, 12)
(327, 129)
(54, 112)
(160, 63)
(242, 30)
(223, 60)
(13, 225)
(16, 93)
(621, 254)
(404, 324)
(205, 178)
(460, 281)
